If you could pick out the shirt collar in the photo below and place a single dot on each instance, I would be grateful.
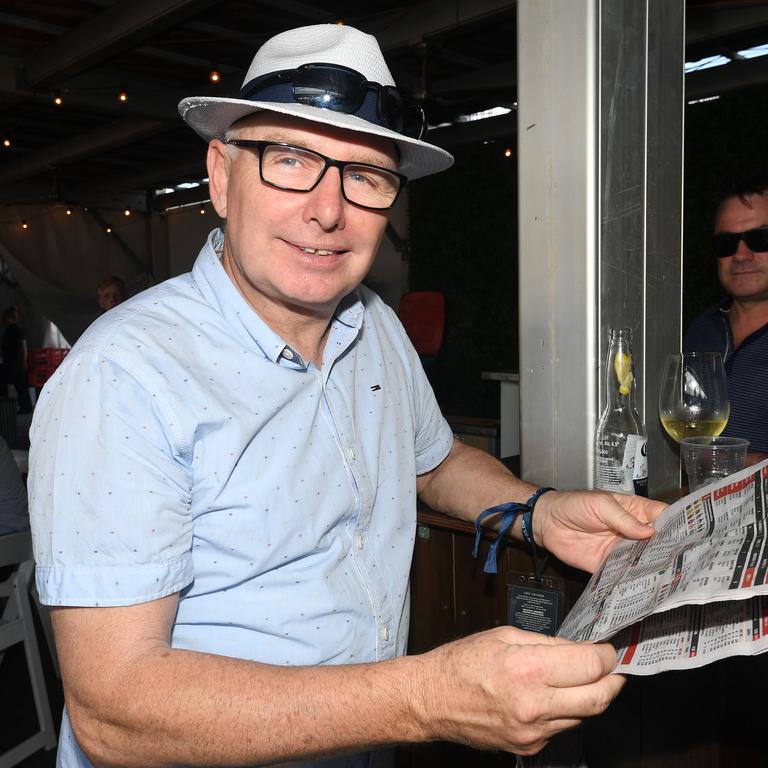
(219, 290)
(724, 307)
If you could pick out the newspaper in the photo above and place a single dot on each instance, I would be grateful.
(694, 593)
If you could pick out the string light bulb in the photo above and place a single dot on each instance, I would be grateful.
(122, 95)
(7, 143)
(507, 152)
(69, 211)
(24, 225)
(339, 22)
(202, 210)
(214, 75)
(109, 230)
(127, 212)
(57, 100)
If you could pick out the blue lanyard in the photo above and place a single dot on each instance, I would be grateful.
(509, 512)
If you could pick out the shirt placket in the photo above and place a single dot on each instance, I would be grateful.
(363, 550)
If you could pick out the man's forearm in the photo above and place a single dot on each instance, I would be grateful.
(468, 482)
(172, 707)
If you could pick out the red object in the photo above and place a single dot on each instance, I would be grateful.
(41, 363)
(422, 314)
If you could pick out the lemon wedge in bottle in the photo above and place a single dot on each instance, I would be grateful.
(622, 364)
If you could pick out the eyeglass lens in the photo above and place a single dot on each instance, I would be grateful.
(727, 243)
(299, 170)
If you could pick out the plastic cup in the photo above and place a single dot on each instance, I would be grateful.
(709, 459)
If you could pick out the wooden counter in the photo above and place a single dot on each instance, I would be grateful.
(706, 718)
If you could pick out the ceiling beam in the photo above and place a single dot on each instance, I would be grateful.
(38, 191)
(115, 30)
(434, 18)
(501, 76)
(741, 73)
(83, 145)
(501, 127)
(142, 103)
(25, 22)
(708, 24)
(192, 168)
(309, 12)
(182, 197)
(20, 22)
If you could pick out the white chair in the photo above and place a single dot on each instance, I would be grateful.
(17, 626)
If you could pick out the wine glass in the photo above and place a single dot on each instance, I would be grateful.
(693, 399)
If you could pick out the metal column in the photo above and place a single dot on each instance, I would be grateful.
(600, 120)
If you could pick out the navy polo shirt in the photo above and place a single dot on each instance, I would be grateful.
(746, 367)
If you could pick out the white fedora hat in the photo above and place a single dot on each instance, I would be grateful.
(331, 44)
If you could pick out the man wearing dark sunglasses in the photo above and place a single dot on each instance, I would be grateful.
(225, 471)
(737, 326)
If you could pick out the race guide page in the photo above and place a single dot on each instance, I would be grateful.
(694, 593)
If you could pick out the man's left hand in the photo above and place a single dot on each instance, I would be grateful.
(582, 527)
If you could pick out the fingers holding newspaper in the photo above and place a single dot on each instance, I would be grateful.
(513, 690)
(582, 527)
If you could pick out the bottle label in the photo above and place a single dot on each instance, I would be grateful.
(631, 476)
(640, 466)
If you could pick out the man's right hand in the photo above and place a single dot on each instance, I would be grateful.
(133, 700)
(513, 690)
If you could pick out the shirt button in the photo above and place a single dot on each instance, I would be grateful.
(360, 542)
(287, 354)
(385, 633)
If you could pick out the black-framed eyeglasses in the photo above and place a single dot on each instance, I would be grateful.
(727, 243)
(340, 89)
(297, 169)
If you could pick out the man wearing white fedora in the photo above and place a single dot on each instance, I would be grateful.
(224, 471)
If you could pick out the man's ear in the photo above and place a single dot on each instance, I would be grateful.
(218, 162)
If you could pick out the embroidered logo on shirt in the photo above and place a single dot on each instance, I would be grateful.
(375, 387)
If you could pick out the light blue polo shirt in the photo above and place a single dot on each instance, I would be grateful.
(184, 447)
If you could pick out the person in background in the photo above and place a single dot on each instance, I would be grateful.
(13, 494)
(13, 345)
(111, 292)
(224, 471)
(737, 326)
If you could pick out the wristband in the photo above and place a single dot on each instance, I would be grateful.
(527, 527)
(509, 513)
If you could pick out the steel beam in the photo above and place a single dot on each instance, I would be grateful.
(600, 159)
(729, 77)
(710, 23)
(83, 145)
(115, 30)
(428, 19)
(309, 12)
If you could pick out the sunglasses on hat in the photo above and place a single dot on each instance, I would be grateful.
(341, 89)
(726, 243)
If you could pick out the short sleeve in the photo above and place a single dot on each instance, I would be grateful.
(434, 437)
(109, 488)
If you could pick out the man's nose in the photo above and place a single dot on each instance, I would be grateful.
(743, 251)
(326, 202)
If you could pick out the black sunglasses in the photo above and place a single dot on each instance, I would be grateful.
(726, 243)
(341, 89)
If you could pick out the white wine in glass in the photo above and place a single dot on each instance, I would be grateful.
(693, 399)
